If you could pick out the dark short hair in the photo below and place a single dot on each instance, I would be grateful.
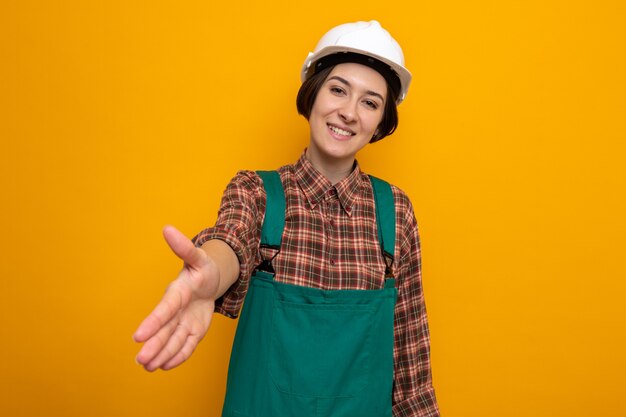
(308, 93)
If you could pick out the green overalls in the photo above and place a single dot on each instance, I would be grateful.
(306, 352)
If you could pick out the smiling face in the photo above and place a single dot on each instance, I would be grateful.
(347, 111)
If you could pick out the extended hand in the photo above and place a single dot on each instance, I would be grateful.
(181, 319)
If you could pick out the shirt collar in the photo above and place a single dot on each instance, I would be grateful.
(315, 186)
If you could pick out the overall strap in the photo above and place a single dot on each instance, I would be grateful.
(274, 221)
(385, 218)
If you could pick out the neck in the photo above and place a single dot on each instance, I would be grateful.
(334, 172)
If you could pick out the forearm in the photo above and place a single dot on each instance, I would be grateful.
(238, 229)
(226, 262)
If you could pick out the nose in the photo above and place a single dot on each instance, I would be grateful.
(348, 111)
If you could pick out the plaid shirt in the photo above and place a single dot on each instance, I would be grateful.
(330, 242)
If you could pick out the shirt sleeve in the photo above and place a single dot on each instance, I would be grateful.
(239, 223)
(413, 393)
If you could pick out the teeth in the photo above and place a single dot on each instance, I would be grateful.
(340, 131)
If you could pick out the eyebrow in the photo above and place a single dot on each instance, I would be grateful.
(346, 82)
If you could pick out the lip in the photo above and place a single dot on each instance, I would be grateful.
(338, 136)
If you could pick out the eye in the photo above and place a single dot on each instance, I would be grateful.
(370, 103)
(337, 90)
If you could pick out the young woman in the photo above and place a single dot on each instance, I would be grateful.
(334, 322)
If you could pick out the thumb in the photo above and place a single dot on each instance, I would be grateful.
(182, 246)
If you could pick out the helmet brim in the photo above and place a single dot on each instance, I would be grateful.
(308, 69)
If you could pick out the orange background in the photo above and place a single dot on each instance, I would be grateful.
(119, 117)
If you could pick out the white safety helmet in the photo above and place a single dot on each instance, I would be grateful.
(364, 38)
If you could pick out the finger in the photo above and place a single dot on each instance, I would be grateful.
(184, 354)
(182, 246)
(155, 344)
(189, 328)
(171, 348)
(173, 300)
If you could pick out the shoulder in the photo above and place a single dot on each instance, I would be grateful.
(250, 180)
(405, 213)
(406, 222)
(247, 181)
(400, 198)
(246, 188)
(247, 178)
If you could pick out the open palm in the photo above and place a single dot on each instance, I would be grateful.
(173, 329)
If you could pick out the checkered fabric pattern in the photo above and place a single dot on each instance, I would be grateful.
(330, 242)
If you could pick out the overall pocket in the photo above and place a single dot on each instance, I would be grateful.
(321, 350)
